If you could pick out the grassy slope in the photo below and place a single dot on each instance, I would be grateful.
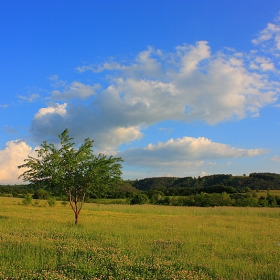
(126, 242)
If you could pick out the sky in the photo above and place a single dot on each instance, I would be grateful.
(176, 88)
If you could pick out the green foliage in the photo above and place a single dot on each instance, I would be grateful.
(139, 198)
(74, 172)
(27, 200)
(122, 190)
(41, 194)
(217, 183)
(155, 196)
(51, 201)
(15, 190)
(154, 183)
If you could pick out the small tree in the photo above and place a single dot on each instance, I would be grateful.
(41, 194)
(74, 172)
(27, 200)
(139, 198)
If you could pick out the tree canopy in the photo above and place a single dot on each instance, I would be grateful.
(75, 172)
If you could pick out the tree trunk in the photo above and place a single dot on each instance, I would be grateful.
(76, 218)
(75, 205)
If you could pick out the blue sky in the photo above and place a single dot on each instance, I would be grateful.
(176, 88)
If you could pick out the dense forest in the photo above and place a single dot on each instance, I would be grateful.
(213, 190)
(210, 184)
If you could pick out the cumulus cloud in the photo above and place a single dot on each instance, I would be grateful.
(185, 150)
(74, 90)
(10, 157)
(82, 123)
(143, 65)
(49, 122)
(189, 84)
(58, 109)
(263, 64)
(186, 155)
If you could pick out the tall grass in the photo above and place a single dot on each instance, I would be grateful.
(138, 242)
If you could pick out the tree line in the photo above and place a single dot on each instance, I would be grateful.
(212, 190)
(172, 186)
(212, 183)
(77, 176)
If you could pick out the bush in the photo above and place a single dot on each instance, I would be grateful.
(51, 201)
(27, 199)
(139, 198)
(41, 194)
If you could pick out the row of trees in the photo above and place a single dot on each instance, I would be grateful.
(208, 199)
(134, 196)
(122, 189)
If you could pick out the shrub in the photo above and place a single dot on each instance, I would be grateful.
(27, 199)
(51, 201)
(139, 198)
(41, 194)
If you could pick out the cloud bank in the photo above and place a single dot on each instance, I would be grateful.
(189, 84)
(186, 149)
(10, 157)
(181, 155)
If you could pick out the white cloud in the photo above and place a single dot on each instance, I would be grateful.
(189, 84)
(144, 65)
(31, 98)
(59, 109)
(269, 38)
(262, 63)
(75, 90)
(203, 173)
(82, 123)
(191, 56)
(4, 105)
(183, 150)
(185, 155)
(194, 86)
(10, 157)
(51, 121)
(108, 140)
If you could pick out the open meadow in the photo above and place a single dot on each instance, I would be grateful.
(138, 242)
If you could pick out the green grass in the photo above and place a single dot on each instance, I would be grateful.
(110, 200)
(138, 242)
(264, 193)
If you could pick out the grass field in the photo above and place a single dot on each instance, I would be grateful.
(138, 242)
(264, 192)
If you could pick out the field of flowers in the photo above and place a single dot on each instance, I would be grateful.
(138, 242)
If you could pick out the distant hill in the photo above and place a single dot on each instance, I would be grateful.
(255, 181)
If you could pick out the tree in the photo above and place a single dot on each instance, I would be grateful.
(139, 198)
(41, 194)
(74, 172)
